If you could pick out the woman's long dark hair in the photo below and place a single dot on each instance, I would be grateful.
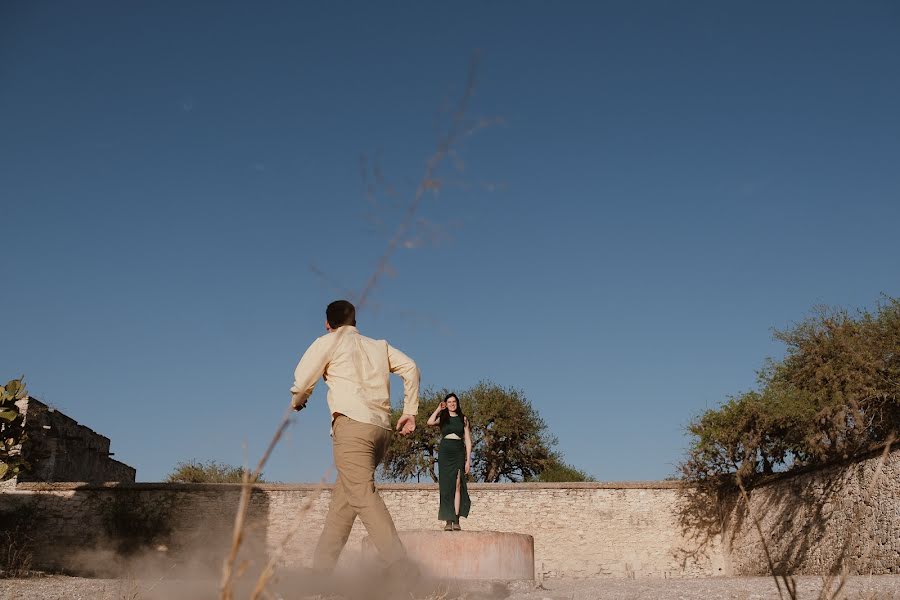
(445, 414)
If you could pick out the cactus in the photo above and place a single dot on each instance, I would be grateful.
(12, 430)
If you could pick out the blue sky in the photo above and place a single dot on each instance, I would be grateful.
(669, 182)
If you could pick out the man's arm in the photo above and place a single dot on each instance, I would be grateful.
(406, 368)
(306, 375)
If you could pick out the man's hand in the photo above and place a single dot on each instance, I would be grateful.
(297, 402)
(406, 424)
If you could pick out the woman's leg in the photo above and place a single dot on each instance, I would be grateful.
(456, 499)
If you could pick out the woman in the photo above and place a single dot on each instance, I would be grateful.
(454, 461)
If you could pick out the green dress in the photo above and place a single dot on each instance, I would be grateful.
(452, 463)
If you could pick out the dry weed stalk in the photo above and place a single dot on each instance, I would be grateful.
(459, 128)
(789, 581)
(269, 570)
(16, 553)
(243, 505)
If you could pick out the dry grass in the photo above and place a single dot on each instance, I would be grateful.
(268, 571)
(17, 555)
(459, 127)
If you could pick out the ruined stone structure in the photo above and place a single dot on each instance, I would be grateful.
(60, 449)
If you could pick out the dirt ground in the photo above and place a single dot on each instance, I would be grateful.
(885, 587)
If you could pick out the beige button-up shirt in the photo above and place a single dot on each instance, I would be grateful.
(357, 371)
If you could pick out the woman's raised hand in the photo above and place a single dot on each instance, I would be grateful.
(442, 405)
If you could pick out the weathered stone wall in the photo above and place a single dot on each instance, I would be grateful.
(92, 529)
(815, 522)
(60, 449)
(580, 530)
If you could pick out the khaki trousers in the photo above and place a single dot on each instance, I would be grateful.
(358, 449)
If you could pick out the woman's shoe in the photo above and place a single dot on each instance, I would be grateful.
(448, 526)
(456, 526)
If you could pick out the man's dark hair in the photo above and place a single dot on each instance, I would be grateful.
(340, 312)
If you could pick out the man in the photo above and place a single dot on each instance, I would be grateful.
(357, 371)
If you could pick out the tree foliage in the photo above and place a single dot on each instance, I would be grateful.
(12, 429)
(835, 394)
(194, 471)
(510, 441)
(414, 456)
(557, 470)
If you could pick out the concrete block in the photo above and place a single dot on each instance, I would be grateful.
(468, 555)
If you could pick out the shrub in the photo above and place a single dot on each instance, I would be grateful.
(211, 471)
(836, 394)
(12, 429)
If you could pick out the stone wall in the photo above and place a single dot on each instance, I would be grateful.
(815, 522)
(60, 449)
(580, 530)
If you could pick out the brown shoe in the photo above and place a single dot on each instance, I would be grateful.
(456, 526)
(448, 526)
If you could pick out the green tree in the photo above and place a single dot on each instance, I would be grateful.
(556, 470)
(194, 471)
(510, 441)
(12, 429)
(835, 394)
(414, 456)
